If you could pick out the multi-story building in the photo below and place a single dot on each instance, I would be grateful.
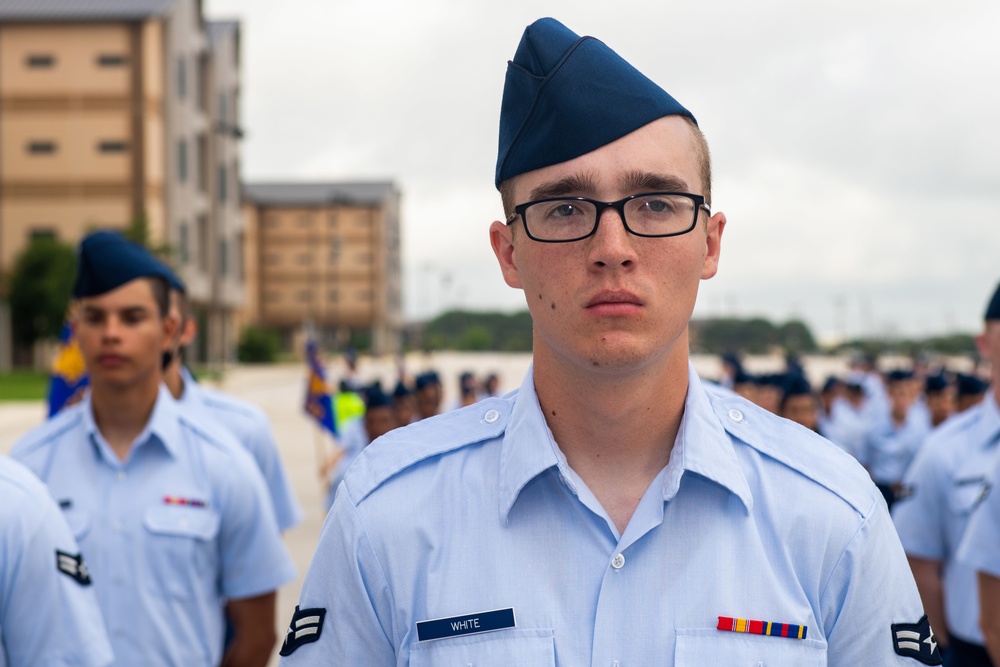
(118, 111)
(325, 255)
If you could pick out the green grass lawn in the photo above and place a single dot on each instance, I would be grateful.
(23, 386)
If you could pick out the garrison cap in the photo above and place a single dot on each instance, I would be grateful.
(993, 310)
(935, 384)
(898, 375)
(565, 96)
(375, 397)
(107, 260)
(401, 390)
(970, 385)
(797, 385)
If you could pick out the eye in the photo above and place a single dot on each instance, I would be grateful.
(562, 210)
(659, 206)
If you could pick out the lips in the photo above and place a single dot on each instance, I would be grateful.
(110, 360)
(612, 298)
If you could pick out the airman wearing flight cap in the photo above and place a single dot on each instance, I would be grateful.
(947, 481)
(614, 510)
(174, 523)
(48, 610)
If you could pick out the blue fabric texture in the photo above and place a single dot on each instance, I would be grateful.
(566, 95)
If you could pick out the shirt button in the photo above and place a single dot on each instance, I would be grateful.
(491, 416)
(618, 562)
(736, 415)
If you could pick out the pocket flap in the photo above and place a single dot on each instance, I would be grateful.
(195, 522)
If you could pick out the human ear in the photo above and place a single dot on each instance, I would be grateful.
(502, 241)
(713, 240)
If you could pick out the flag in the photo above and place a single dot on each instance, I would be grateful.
(68, 379)
(318, 403)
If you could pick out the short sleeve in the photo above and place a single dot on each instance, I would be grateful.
(287, 511)
(48, 616)
(345, 580)
(919, 517)
(254, 558)
(980, 547)
(858, 615)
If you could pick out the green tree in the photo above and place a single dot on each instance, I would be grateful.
(40, 288)
(258, 345)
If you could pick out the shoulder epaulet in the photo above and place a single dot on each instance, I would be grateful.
(63, 421)
(404, 447)
(216, 436)
(223, 401)
(796, 447)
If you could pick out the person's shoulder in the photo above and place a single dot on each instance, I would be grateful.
(803, 453)
(213, 440)
(49, 431)
(231, 405)
(405, 447)
(20, 489)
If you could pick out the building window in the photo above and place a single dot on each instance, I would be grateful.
(112, 146)
(305, 258)
(305, 220)
(111, 60)
(331, 296)
(272, 221)
(223, 184)
(39, 61)
(223, 257)
(181, 78)
(223, 111)
(203, 166)
(185, 243)
(41, 147)
(182, 160)
(203, 244)
(273, 259)
(331, 219)
(274, 297)
(304, 296)
(366, 295)
(238, 259)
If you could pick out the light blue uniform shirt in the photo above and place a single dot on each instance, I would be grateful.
(252, 430)
(980, 547)
(170, 534)
(889, 449)
(477, 510)
(945, 483)
(47, 616)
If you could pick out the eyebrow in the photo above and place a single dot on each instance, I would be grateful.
(632, 181)
(569, 186)
(127, 310)
(644, 181)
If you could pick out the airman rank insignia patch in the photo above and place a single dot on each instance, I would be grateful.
(306, 626)
(916, 640)
(73, 567)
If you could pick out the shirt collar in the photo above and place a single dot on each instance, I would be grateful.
(190, 386)
(702, 447)
(162, 427)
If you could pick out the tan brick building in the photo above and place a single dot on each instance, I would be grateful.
(116, 110)
(325, 254)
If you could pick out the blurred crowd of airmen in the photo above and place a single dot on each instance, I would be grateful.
(929, 437)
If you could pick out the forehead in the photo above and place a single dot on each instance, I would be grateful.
(136, 293)
(665, 148)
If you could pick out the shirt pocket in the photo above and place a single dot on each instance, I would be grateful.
(78, 521)
(180, 549)
(965, 496)
(697, 648)
(504, 648)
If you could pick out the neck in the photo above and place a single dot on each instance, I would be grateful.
(616, 430)
(121, 413)
(174, 380)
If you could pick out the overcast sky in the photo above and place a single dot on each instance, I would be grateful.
(856, 143)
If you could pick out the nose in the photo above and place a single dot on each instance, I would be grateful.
(611, 245)
(112, 328)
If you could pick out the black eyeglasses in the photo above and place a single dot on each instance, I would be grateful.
(649, 214)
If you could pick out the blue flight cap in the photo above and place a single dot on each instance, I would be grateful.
(993, 310)
(797, 385)
(565, 96)
(375, 397)
(898, 375)
(428, 379)
(401, 390)
(970, 385)
(831, 383)
(935, 384)
(106, 260)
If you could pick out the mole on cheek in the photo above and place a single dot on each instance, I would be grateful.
(553, 305)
